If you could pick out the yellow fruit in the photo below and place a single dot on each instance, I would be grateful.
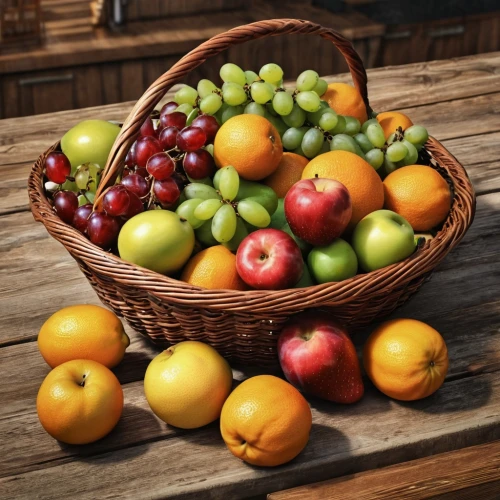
(83, 332)
(214, 268)
(79, 402)
(345, 100)
(391, 120)
(289, 172)
(187, 384)
(357, 175)
(419, 194)
(265, 421)
(406, 359)
(249, 143)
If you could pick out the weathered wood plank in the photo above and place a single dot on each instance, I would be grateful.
(373, 433)
(472, 468)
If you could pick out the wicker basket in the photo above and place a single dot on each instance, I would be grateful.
(244, 326)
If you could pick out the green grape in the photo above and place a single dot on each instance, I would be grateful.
(216, 179)
(240, 234)
(229, 72)
(261, 92)
(344, 142)
(321, 87)
(417, 135)
(209, 148)
(352, 125)
(260, 193)
(328, 120)
(82, 176)
(197, 190)
(224, 224)
(186, 95)
(88, 175)
(84, 199)
(211, 104)
(269, 109)
(367, 124)
(325, 147)
(251, 76)
(186, 211)
(412, 156)
(396, 151)
(206, 180)
(283, 103)
(233, 94)
(363, 142)
(204, 234)
(391, 138)
(389, 166)
(271, 73)
(207, 209)
(252, 108)
(340, 127)
(229, 183)
(254, 213)
(309, 101)
(375, 157)
(375, 135)
(184, 108)
(296, 118)
(192, 116)
(312, 142)
(231, 111)
(277, 122)
(298, 151)
(292, 138)
(307, 80)
(316, 116)
(205, 88)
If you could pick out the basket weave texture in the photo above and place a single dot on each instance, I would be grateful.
(244, 325)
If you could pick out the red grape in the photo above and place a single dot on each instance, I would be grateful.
(147, 128)
(80, 219)
(168, 108)
(199, 164)
(160, 166)
(136, 184)
(103, 229)
(142, 172)
(180, 180)
(168, 137)
(191, 139)
(57, 167)
(135, 207)
(130, 158)
(175, 119)
(145, 149)
(66, 203)
(208, 124)
(167, 192)
(116, 200)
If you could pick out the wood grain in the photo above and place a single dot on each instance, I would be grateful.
(447, 473)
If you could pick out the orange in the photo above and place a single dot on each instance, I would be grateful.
(357, 175)
(289, 172)
(249, 143)
(79, 402)
(83, 332)
(345, 100)
(391, 120)
(214, 268)
(406, 359)
(419, 194)
(265, 421)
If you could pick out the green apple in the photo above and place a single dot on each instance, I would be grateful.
(334, 262)
(305, 247)
(381, 239)
(89, 141)
(306, 279)
(158, 240)
(278, 219)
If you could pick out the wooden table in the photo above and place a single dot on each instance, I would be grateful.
(459, 101)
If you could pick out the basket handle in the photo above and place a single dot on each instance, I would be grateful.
(200, 54)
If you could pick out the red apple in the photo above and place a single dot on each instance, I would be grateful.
(269, 259)
(318, 357)
(318, 210)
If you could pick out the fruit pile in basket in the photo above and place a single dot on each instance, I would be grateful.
(255, 184)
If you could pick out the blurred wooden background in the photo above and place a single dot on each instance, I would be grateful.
(77, 64)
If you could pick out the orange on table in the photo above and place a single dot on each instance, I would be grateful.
(345, 100)
(83, 331)
(79, 402)
(357, 175)
(391, 120)
(251, 144)
(289, 172)
(214, 268)
(265, 421)
(419, 194)
(406, 359)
